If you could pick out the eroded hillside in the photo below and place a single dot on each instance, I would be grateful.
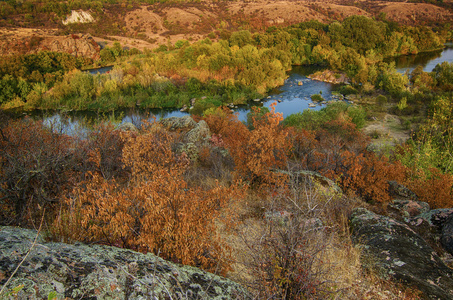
(148, 26)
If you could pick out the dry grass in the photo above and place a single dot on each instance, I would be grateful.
(337, 270)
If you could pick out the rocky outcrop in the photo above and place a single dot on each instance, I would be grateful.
(127, 126)
(195, 134)
(82, 271)
(409, 208)
(396, 251)
(400, 191)
(199, 134)
(447, 235)
(78, 16)
(174, 123)
(82, 45)
(329, 76)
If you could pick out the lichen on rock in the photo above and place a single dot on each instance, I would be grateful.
(396, 251)
(83, 271)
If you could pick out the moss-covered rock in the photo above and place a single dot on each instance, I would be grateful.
(82, 271)
(396, 251)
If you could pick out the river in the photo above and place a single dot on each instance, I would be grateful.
(289, 98)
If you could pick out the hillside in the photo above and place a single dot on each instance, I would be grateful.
(148, 26)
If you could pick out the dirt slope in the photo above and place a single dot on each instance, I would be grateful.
(148, 26)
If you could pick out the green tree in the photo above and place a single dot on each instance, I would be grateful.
(443, 73)
(241, 38)
(363, 33)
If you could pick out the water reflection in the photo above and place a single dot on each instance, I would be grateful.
(427, 60)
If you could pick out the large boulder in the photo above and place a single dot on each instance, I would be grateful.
(194, 136)
(199, 134)
(175, 123)
(447, 235)
(82, 271)
(437, 217)
(409, 208)
(395, 251)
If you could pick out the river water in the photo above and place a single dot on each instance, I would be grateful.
(289, 98)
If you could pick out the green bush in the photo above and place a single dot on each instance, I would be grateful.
(312, 120)
(317, 98)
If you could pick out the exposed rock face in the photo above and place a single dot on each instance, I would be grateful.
(101, 272)
(396, 251)
(199, 134)
(78, 17)
(409, 208)
(437, 217)
(447, 235)
(77, 45)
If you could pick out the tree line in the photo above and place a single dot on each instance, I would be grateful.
(242, 66)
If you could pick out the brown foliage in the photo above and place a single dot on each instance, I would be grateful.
(226, 125)
(156, 211)
(256, 153)
(368, 175)
(338, 151)
(36, 167)
(435, 188)
(104, 149)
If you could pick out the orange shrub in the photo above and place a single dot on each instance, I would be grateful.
(263, 151)
(435, 188)
(156, 211)
(36, 167)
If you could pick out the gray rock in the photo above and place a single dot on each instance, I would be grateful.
(127, 126)
(82, 271)
(447, 235)
(400, 191)
(174, 123)
(437, 217)
(397, 252)
(199, 134)
(409, 208)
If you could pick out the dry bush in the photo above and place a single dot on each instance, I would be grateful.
(301, 248)
(104, 148)
(264, 150)
(292, 249)
(36, 167)
(368, 176)
(435, 188)
(226, 125)
(214, 163)
(155, 211)
(338, 151)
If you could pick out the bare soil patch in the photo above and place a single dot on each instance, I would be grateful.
(278, 12)
(413, 13)
(386, 131)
